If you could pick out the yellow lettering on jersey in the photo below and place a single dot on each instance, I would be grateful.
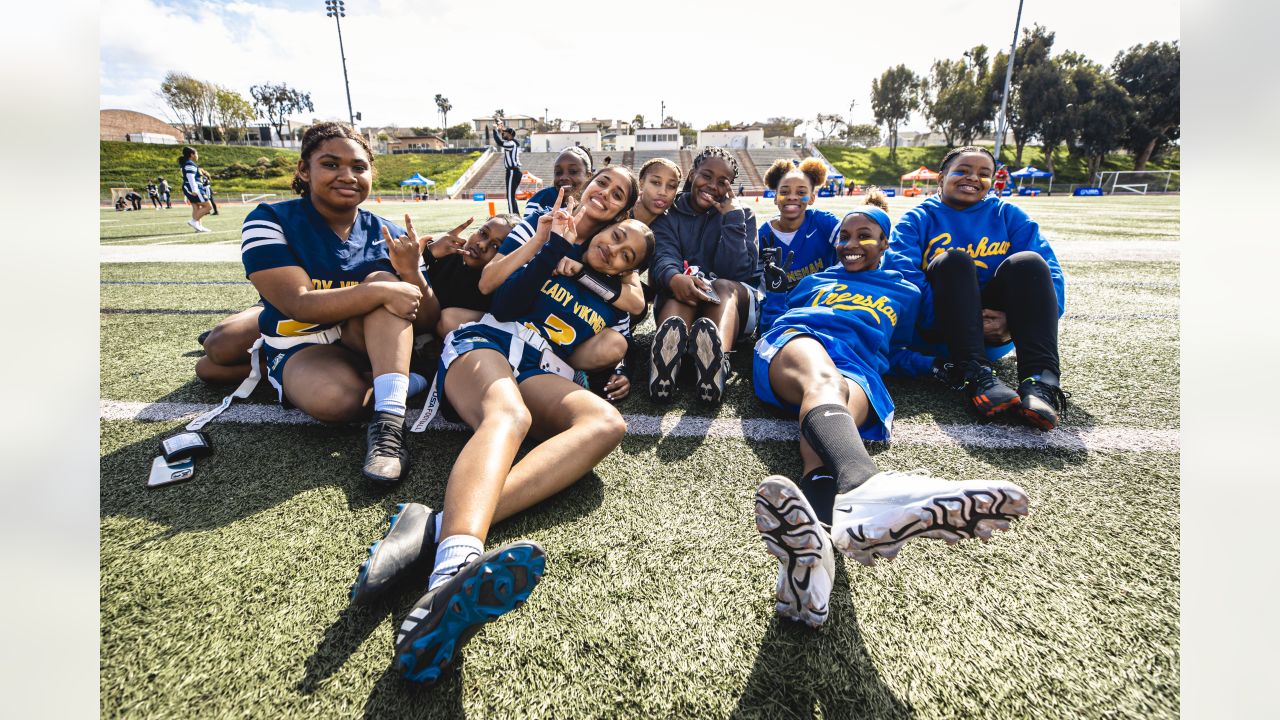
(589, 316)
(984, 248)
(837, 297)
(287, 328)
(557, 292)
(321, 284)
(801, 273)
(559, 331)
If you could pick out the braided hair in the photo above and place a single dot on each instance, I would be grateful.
(954, 153)
(706, 154)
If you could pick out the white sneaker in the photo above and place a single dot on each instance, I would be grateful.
(201, 228)
(790, 530)
(194, 225)
(876, 518)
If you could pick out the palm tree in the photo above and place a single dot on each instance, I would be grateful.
(444, 106)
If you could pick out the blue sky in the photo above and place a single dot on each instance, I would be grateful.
(737, 61)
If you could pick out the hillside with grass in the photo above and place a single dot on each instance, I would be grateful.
(872, 165)
(237, 169)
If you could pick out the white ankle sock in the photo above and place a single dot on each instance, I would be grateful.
(390, 391)
(435, 531)
(454, 552)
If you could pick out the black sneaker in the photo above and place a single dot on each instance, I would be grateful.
(203, 336)
(665, 355)
(1043, 402)
(386, 459)
(444, 619)
(987, 392)
(407, 548)
(709, 360)
(946, 372)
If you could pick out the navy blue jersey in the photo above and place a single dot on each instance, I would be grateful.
(293, 233)
(814, 245)
(559, 308)
(541, 203)
(190, 177)
(523, 232)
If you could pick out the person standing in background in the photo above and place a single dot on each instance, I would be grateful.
(154, 194)
(191, 188)
(164, 192)
(206, 184)
(510, 159)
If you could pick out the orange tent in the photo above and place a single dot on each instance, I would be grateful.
(530, 179)
(923, 173)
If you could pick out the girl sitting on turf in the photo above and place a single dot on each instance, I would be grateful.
(987, 277)
(606, 198)
(798, 242)
(703, 315)
(823, 359)
(341, 295)
(506, 376)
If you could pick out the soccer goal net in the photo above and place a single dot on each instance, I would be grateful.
(1139, 182)
(255, 197)
(119, 192)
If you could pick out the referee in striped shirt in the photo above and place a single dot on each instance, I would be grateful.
(511, 159)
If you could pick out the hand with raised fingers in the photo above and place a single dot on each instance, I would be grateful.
(450, 243)
(405, 252)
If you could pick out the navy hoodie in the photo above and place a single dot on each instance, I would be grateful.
(721, 245)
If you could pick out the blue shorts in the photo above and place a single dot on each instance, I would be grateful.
(196, 198)
(275, 358)
(526, 363)
(879, 422)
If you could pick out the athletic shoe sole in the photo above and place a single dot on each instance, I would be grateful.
(708, 360)
(669, 345)
(1044, 418)
(408, 544)
(986, 409)
(974, 508)
(443, 620)
(790, 530)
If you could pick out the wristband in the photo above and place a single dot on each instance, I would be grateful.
(605, 286)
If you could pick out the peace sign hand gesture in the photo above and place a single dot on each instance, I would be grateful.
(450, 243)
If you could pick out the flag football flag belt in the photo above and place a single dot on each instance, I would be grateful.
(521, 337)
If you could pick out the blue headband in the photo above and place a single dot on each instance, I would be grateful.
(881, 217)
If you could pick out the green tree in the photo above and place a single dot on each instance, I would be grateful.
(862, 134)
(828, 124)
(1150, 74)
(233, 112)
(718, 126)
(1033, 50)
(276, 102)
(1102, 115)
(894, 96)
(188, 98)
(780, 126)
(444, 106)
(637, 121)
(461, 131)
(1046, 100)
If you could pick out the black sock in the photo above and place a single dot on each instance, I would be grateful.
(819, 488)
(832, 434)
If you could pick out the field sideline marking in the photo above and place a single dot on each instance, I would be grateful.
(905, 433)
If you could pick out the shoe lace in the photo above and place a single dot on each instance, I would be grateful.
(1052, 394)
(980, 382)
(389, 441)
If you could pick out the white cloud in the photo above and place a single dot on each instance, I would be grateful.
(708, 61)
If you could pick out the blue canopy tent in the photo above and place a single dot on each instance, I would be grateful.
(1030, 172)
(417, 179)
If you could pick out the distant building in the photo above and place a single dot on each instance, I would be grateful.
(557, 141)
(522, 124)
(744, 138)
(657, 139)
(402, 139)
(135, 127)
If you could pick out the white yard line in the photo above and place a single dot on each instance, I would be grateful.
(904, 433)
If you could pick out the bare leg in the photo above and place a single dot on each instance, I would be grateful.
(327, 383)
(802, 374)
(453, 318)
(731, 314)
(481, 387)
(604, 351)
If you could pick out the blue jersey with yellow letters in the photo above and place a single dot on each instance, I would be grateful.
(989, 231)
(814, 245)
(867, 313)
(559, 308)
(293, 233)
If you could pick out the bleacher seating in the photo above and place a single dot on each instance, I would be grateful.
(762, 158)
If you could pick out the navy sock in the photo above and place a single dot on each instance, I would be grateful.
(832, 434)
(819, 488)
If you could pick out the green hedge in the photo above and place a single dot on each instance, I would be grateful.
(872, 165)
(236, 169)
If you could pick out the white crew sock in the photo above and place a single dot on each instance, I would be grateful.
(454, 552)
(417, 384)
(390, 391)
(435, 534)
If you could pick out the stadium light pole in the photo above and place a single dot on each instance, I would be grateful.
(662, 112)
(337, 9)
(1002, 125)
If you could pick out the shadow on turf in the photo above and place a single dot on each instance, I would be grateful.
(800, 672)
